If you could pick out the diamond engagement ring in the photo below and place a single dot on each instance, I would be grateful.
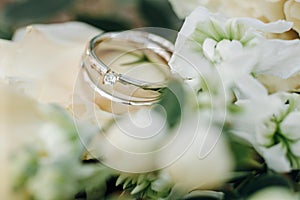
(126, 68)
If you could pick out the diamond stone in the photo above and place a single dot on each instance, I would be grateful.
(110, 78)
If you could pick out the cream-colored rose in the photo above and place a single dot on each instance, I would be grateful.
(40, 137)
(265, 10)
(292, 13)
(200, 157)
(132, 142)
(275, 84)
(20, 117)
(43, 60)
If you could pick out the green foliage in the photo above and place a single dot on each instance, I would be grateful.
(159, 13)
(173, 100)
(105, 23)
(155, 13)
(95, 184)
(245, 156)
(5, 32)
(29, 11)
(150, 186)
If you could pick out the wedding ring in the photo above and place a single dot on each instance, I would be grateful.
(129, 67)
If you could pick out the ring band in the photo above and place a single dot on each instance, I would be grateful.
(117, 86)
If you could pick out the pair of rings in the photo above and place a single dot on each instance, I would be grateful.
(126, 70)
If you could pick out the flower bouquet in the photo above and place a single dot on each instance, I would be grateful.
(225, 126)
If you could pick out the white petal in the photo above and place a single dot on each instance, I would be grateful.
(20, 117)
(265, 132)
(206, 161)
(249, 87)
(209, 47)
(295, 147)
(229, 49)
(67, 33)
(279, 26)
(43, 66)
(199, 15)
(131, 144)
(276, 159)
(291, 126)
(292, 14)
(278, 57)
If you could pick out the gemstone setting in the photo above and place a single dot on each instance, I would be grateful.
(110, 78)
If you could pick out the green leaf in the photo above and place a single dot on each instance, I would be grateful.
(140, 187)
(121, 179)
(172, 100)
(246, 157)
(5, 33)
(105, 23)
(94, 184)
(159, 13)
(27, 11)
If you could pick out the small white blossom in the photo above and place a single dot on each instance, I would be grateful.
(231, 52)
(271, 125)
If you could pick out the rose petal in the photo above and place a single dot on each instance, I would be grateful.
(68, 33)
(43, 66)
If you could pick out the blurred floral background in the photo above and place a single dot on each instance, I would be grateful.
(256, 103)
(108, 15)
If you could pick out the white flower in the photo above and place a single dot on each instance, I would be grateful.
(274, 193)
(16, 115)
(232, 52)
(36, 140)
(130, 144)
(290, 125)
(270, 125)
(204, 160)
(43, 60)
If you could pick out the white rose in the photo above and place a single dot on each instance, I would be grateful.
(274, 193)
(264, 9)
(43, 60)
(130, 144)
(205, 161)
(19, 118)
(41, 137)
(292, 13)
